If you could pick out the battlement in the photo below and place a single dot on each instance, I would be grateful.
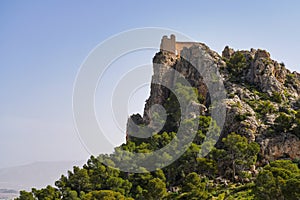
(170, 45)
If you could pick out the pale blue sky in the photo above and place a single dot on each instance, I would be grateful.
(43, 43)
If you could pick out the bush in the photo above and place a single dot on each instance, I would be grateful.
(283, 122)
(241, 117)
(277, 97)
(236, 64)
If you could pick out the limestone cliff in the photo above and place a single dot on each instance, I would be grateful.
(262, 101)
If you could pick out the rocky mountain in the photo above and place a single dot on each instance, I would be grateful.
(234, 119)
(262, 96)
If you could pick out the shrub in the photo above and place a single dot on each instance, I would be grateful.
(277, 97)
(283, 122)
(236, 64)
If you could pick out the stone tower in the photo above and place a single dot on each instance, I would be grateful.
(168, 44)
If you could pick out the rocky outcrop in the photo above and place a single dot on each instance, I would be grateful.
(163, 63)
(285, 146)
(263, 89)
(266, 73)
(227, 52)
(240, 118)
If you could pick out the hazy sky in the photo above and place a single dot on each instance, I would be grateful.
(43, 43)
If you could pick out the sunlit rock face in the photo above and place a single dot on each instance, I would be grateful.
(257, 92)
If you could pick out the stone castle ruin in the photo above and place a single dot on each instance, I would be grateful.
(170, 44)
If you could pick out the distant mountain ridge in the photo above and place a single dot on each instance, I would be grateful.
(8, 194)
(38, 174)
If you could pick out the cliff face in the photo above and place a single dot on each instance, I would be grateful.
(262, 100)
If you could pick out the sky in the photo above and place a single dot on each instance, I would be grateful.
(44, 43)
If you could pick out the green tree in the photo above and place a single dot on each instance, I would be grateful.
(69, 194)
(240, 154)
(79, 180)
(48, 193)
(278, 180)
(266, 186)
(139, 183)
(193, 187)
(283, 122)
(156, 189)
(292, 188)
(236, 64)
(25, 196)
(206, 166)
(119, 185)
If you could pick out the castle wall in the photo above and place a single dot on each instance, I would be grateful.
(180, 45)
(170, 45)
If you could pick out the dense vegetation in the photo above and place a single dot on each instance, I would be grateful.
(189, 177)
(228, 172)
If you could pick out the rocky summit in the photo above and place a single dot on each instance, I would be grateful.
(262, 101)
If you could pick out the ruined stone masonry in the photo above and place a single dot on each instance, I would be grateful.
(170, 45)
